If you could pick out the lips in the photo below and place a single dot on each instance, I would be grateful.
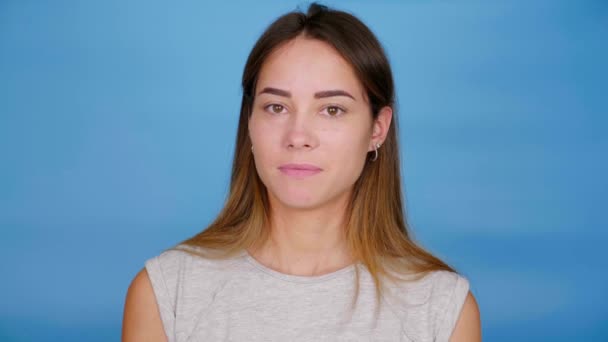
(300, 170)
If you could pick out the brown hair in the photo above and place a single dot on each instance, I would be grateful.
(376, 229)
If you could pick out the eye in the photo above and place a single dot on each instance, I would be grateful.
(334, 111)
(274, 108)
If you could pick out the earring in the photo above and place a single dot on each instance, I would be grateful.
(376, 152)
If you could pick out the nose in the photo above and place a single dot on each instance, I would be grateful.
(299, 133)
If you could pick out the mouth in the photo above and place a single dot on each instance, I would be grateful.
(299, 170)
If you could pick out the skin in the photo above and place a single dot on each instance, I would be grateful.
(307, 226)
(333, 132)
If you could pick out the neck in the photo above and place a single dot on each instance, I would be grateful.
(306, 242)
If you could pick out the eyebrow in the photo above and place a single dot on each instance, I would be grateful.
(318, 95)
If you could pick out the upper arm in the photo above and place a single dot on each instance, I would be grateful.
(142, 321)
(468, 326)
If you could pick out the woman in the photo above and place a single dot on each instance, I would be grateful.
(312, 243)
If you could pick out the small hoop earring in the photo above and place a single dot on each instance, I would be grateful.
(376, 152)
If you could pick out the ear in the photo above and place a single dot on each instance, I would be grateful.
(380, 127)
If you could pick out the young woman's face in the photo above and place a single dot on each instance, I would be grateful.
(311, 125)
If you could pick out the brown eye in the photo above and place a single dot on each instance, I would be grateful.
(276, 108)
(334, 111)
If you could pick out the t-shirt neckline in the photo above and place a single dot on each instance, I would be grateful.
(297, 278)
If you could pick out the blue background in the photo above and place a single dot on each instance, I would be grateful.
(117, 128)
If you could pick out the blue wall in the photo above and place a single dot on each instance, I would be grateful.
(117, 121)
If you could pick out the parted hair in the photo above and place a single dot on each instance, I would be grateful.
(377, 231)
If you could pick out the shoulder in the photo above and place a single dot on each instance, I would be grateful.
(468, 325)
(182, 279)
(180, 260)
(430, 306)
(182, 265)
(451, 300)
(141, 318)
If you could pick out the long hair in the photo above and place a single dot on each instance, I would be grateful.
(376, 229)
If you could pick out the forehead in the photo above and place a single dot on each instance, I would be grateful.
(305, 65)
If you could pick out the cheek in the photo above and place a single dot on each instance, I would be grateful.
(348, 150)
(264, 141)
(261, 134)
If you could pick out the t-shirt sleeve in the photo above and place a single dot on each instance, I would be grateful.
(163, 271)
(454, 289)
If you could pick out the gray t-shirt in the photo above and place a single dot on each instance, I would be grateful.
(240, 299)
